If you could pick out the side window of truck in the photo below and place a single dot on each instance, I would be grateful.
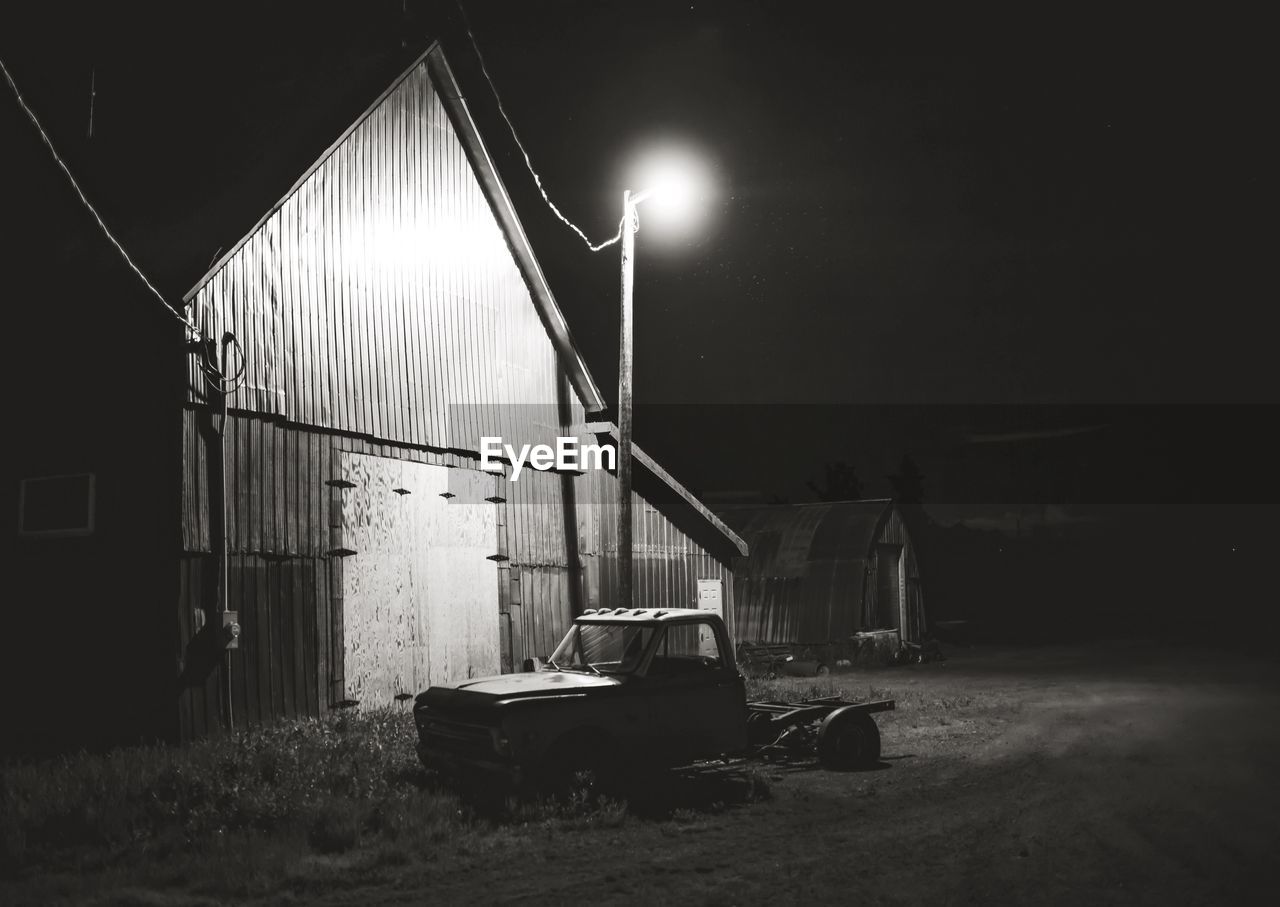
(687, 649)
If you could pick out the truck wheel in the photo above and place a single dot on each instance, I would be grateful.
(847, 740)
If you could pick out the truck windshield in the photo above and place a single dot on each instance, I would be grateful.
(606, 648)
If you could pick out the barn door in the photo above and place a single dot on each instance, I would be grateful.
(889, 586)
(420, 596)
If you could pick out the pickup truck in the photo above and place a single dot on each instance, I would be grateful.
(629, 688)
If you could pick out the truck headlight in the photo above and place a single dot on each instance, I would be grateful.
(501, 744)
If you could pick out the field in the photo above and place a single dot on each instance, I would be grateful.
(1116, 773)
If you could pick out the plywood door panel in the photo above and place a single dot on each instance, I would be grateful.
(420, 594)
(380, 626)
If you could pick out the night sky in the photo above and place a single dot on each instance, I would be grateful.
(935, 224)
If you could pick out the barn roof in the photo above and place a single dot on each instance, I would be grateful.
(785, 539)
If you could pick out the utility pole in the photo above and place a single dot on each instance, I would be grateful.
(624, 401)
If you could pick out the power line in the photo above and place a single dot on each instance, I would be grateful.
(92, 210)
(594, 247)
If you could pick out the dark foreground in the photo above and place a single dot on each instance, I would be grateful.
(1120, 773)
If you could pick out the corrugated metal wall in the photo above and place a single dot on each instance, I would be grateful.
(667, 563)
(285, 655)
(539, 578)
(287, 565)
(381, 297)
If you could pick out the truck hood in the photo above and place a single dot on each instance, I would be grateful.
(484, 691)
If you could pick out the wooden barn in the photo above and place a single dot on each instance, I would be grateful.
(818, 574)
(385, 315)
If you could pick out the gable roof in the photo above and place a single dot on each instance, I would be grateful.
(499, 201)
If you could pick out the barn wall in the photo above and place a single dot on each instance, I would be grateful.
(381, 298)
(289, 566)
(286, 570)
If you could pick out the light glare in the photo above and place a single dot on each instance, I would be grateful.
(680, 188)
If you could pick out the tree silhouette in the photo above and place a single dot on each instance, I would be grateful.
(908, 492)
(841, 483)
(908, 484)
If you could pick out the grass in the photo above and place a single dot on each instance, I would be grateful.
(328, 781)
(299, 807)
(234, 816)
(797, 688)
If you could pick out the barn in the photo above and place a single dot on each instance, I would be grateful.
(837, 578)
(378, 321)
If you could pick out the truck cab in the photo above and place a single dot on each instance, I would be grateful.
(657, 687)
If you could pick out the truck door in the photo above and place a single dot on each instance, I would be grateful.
(698, 699)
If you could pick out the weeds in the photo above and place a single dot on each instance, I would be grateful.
(793, 689)
(330, 778)
(270, 795)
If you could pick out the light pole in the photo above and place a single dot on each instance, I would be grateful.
(629, 225)
(677, 179)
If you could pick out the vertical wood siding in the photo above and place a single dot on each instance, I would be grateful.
(667, 563)
(381, 297)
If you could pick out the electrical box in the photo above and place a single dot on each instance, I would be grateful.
(710, 598)
(231, 629)
(711, 595)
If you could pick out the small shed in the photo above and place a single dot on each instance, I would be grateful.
(820, 573)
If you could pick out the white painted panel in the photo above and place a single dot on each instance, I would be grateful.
(464, 584)
(710, 598)
(420, 596)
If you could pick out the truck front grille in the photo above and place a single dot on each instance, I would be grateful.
(454, 736)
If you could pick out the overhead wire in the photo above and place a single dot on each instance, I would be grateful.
(594, 247)
(89, 205)
(225, 384)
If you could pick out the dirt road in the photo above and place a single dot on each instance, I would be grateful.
(1122, 773)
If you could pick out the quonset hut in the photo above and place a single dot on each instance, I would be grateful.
(386, 314)
(818, 574)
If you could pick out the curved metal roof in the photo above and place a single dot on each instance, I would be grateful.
(784, 540)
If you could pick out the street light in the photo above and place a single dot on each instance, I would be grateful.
(677, 182)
